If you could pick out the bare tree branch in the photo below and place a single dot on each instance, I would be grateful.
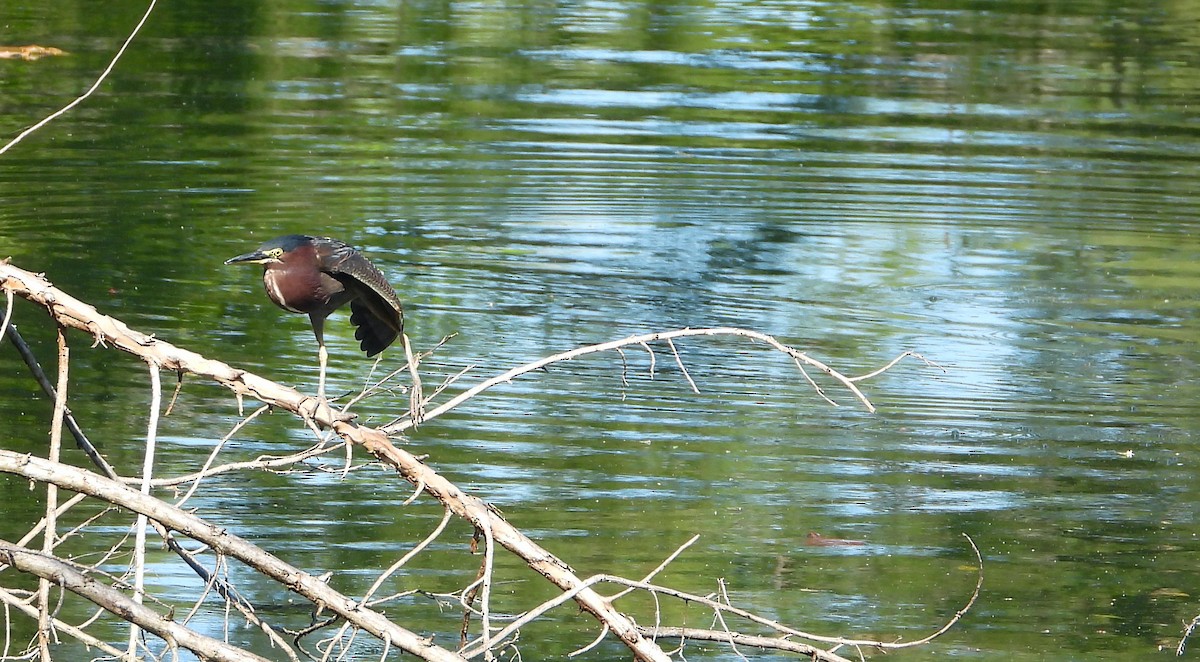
(663, 336)
(489, 524)
(56, 571)
(765, 643)
(223, 542)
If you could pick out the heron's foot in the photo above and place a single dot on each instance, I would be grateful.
(318, 409)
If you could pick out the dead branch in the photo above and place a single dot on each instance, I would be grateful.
(13, 601)
(94, 455)
(724, 606)
(73, 313)
(729, 637)
(222, 542)
(105, 330)
(801, 359)
(139, 528)
(39, 375)
(498, 533)
(53, 570)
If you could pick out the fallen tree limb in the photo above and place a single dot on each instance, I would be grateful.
(222, 542)
(73, 313)
(66, 576)
(69, 312)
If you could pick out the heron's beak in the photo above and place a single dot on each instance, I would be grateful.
(256, 257)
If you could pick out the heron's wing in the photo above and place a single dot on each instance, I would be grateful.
(375, 307)
(374, 332)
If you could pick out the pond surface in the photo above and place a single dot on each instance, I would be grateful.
(1007, 188)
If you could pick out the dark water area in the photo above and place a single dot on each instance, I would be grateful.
(1006, 188)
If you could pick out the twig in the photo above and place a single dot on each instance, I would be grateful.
(880, 371)
(485, 601)
(446, 383)
(661, 566)
(212, 456)
(815, 386)
(4, 654)
(653, 359)
(8, 294)
(368, 391)
(765, 643)
(958, 614)
(49, 538)
(139, 545)
(175, 395)
(420, 488)
(683, 368)
(720, 618)
(592, 644)
(39, 375)
(41, 525)
(466, 598)
(53, 569)
(262, 462)
(78, 100)
(437, 531)
(349, 464)
(1187, 632)
(415, 398)
(475, 648)
(624, 374)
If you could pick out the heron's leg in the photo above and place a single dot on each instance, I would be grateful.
(318, 325)
(323, 359)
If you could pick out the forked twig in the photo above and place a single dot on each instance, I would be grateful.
(212, 456)
(661, 566)
(395, 567)
(888, 366)
(400, 563)
(474, 649)
(801, 358)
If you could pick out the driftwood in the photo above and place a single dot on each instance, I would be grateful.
(356, 615)
(29, 53)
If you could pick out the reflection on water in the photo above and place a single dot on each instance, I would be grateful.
(1006, 189)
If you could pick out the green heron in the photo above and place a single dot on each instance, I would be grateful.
(318, 275)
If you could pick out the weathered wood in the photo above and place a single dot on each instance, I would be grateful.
(73, 313)
(66, 576)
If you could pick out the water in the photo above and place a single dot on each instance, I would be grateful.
(1006, 188)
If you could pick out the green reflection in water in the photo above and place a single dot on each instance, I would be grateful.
(1006, 187)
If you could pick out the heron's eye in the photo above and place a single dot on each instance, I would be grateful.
(275, 252)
